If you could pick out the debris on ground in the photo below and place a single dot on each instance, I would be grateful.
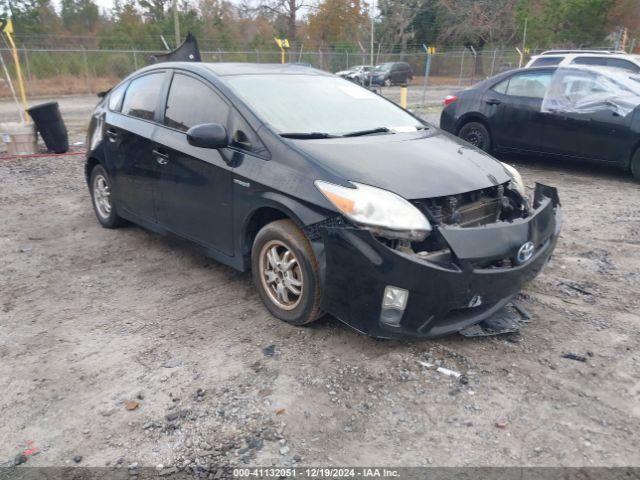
(502, 422)
(577, 287)
(269, 351)
(172, 363)
(574, 356)
(77, 458)
(131, 404)
(509, 319)
(443, 370)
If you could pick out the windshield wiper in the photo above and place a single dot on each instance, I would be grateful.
(307, 135)
(371, 131)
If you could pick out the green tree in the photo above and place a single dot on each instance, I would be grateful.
(569, 23)
(79, 16)
(32, 17)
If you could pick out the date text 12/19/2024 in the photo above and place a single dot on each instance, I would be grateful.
(314, 472)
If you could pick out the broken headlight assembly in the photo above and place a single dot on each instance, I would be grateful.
(516, 179)
(384, 213)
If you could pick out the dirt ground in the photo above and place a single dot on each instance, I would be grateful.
(121, 348)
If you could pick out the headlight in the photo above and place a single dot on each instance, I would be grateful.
(516, 179)
(384, 212)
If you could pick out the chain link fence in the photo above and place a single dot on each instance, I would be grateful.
(50, 72)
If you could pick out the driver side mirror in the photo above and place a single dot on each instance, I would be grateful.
(208, 135)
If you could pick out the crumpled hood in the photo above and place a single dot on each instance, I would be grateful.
(413, 165)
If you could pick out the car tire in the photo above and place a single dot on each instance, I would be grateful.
(285, 273)
(102, 198)
(635, 165)
(477, 135)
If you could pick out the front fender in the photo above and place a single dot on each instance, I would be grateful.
(249, 203)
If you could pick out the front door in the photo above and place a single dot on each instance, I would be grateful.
(195, 184)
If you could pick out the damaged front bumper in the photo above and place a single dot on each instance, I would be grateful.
(443, 298)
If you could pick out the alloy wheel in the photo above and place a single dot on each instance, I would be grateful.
(281, 275)
(102, 196)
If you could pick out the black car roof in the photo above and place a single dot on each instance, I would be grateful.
(226, 69)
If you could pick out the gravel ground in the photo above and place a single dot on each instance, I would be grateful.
(122, 348)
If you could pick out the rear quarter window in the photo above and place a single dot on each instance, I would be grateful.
(501, 87)
(115, 97)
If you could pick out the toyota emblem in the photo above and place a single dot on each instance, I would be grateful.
(526, 252)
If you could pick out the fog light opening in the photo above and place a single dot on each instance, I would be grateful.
(394, 301)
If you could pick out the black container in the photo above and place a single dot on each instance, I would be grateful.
(50, 125)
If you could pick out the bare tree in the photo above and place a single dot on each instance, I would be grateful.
(289, 10)
(397, 21)
(478, 23)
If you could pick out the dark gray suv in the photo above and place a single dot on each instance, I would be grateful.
(392, 73)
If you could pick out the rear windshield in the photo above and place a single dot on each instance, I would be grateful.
(314, 103)
(546, 61)
(607, 62)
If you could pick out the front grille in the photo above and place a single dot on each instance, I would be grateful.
(470, 209)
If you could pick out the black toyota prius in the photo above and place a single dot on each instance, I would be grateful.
(336, 199)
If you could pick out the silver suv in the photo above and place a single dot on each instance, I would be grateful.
(604, 58)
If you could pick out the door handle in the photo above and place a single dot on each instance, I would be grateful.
(493, 101)
(112, 134)
(161, 157)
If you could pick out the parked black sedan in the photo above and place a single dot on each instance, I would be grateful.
(338, 200)
(587, 113)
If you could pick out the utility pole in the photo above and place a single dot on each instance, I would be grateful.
(373, 10)
(176, 22)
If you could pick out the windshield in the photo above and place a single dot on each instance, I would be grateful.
(314, 103)
(384, 67)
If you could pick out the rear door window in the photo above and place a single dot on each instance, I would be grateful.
(191, 102)
(141, 98)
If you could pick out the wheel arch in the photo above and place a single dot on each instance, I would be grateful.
(90, 164)
(273, 206)
(634, 150)
(472, 117)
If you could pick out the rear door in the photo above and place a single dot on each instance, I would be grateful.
(129, 146)
(195, 184)
(513, 108)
